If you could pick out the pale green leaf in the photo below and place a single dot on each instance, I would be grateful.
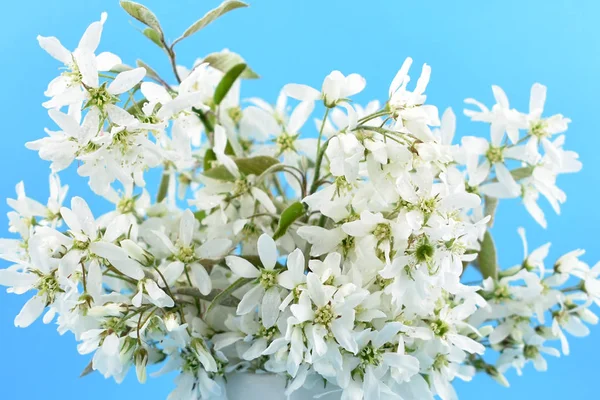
(491, 204)
(225, 297)
(288, 217)
(212, 15)
(247, 166)
(150, 72)
(487, 260)
(522, 173)
(117, 69)
(225, 60)
(143, 15)
(153, 35)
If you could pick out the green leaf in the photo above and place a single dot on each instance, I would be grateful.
(143, 15)
(288, 216)
(487, 259)
(163, 188)
(491, 204)
(150, 72)
(227, 82)
(522, 173)
(247, 166)
(212, 15)
(225, 60)
(136, 109)
(209, 157)
(153, 35)
(117, 69)
(200, 215)
(225, 296)
(195, 292)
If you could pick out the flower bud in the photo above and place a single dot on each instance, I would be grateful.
(140, 360)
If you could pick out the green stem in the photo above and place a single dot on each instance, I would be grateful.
(320, 153)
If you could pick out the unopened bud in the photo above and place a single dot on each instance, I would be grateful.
(140, 360)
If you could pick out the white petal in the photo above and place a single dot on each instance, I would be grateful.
(30, 312)
(267, 251)
(106, 61)
(119, 116)
(161, 299)
(241, 267)
(126, 80)
(316, 290)
(53, 46)
(250, 300)
(186, 227)
(270, 307)
(301, 92)
(263, 199)
(201, 279)
(299, 116)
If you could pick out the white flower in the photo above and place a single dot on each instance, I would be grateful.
(187, 254)
(264, 291)
(336, 87)
(321, 314)
(66, 88)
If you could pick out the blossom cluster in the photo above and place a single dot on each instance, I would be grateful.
(335, 258)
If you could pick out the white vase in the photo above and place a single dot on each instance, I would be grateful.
(247, 386)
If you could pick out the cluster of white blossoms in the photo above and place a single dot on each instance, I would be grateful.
(334, 258)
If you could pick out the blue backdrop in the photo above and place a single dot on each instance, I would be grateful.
(470, 45)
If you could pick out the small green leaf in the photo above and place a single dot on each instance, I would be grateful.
(225, 60)
(288, 216)
(212, 15)
(224, 296)
(163, 188)
(117, 69)
(209, 157)
(136, 109)
(255, 165)
(153, 35)
(247, 166)
(143, 15)
(522, 173)
(150, 72)
(487, 259)
(200, 215)
(491, 204)
(227, 82)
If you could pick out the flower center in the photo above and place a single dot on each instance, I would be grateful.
(240, 187)
(285, 142)
(126, 205)
(439, 327)
(99, 97)
(268, 278)
(382, 232)
(324, 315)
(424, 252)
(530, 352)
(538, 129)
(186, 254)
(235, 113)
(370, 356)
(440, 362)
(494, 154)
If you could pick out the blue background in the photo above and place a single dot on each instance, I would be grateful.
(469, 44)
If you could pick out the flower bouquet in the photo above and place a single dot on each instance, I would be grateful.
(279, 264)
